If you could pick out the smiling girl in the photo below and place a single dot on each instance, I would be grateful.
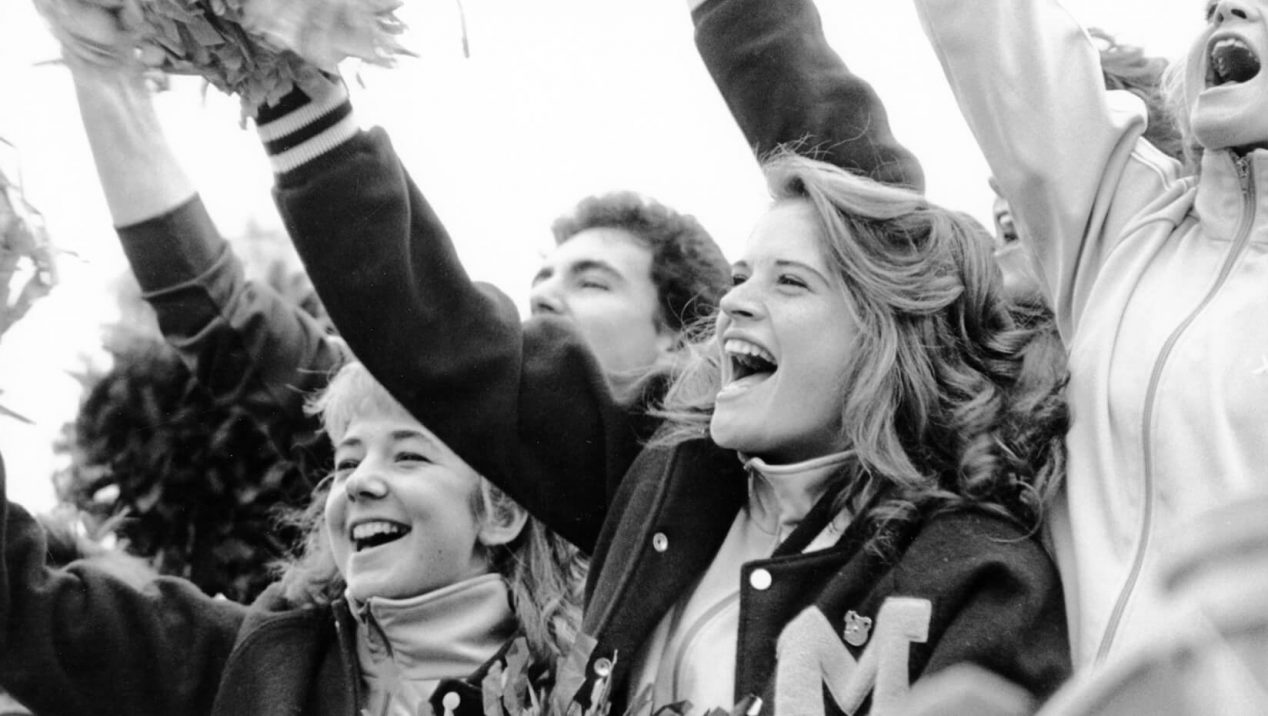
(867, 372)
(1156, 272)
(416, 579)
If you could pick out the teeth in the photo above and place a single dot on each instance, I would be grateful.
(736, 346)
(367, 530)
(1229, 43)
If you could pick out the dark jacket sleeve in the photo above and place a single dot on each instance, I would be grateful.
(79, 641)
(525, 405)
(245, 343)
(786, 86)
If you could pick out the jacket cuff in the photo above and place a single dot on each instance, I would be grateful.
(304, 125)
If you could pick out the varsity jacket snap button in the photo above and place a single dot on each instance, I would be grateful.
(451, 701)
(759, 579)
(660, 542)
(602, 667)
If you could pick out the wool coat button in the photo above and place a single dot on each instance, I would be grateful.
(602, 667)
(660, 542)
(451, 701)
(760, 579)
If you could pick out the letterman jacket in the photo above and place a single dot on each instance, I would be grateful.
(1159, 282)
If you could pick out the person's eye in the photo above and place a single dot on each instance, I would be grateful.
(411, 457)
(344, 467)
(592, 281)
(738, 278)
(788, 279)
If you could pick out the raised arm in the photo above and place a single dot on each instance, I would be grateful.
(243, 341)
(786, 86)
(526, 404)
(79, 640)
(1062, 149)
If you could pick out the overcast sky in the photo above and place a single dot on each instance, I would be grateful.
(559, 99)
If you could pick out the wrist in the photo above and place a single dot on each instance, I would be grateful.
(305, 124)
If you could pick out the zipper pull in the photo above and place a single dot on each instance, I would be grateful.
(1242, 164)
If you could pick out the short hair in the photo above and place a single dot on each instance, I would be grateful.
(688, 269)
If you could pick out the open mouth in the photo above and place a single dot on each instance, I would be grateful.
(748, 360)
(1230, 61)
(367, 535)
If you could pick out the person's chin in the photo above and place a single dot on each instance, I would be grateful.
(729, 434)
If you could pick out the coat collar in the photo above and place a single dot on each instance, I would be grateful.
(780, 496)
(1221, 195)
(446, 632)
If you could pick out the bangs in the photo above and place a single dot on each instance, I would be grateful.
(351, 393)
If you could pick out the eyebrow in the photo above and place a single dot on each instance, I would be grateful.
(396, 435)
(594, 265)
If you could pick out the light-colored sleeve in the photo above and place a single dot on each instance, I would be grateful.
(1028, 81)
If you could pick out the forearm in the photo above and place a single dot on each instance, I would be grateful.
(786, 86)
(527, 408)
(139, 173)
(1029, 83)
(244, 343)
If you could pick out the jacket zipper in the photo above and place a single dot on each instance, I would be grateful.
(349, 650)
(1247, 181)
(692, 635)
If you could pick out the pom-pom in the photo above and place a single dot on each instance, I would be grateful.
(26, 254)
(256, 49)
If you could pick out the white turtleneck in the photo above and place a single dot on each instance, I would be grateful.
(691, 654)
(405, 647)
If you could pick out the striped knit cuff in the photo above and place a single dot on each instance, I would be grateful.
(306, 127)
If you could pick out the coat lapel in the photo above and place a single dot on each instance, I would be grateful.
(676, 509)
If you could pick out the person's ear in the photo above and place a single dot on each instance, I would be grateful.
(503, 525)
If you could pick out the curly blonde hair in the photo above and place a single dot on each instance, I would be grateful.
(942, 407)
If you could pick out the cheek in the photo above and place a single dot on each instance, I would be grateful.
(335, 517)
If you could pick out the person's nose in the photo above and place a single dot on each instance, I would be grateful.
(1227, 10)
(365, 483)
(742, 301)
(545, 297)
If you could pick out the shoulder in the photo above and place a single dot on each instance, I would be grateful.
(968, 545)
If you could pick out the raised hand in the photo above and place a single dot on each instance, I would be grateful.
(102, 33)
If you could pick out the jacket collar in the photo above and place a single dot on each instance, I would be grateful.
(1221, 198)
(780, 496)
(448, 632)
